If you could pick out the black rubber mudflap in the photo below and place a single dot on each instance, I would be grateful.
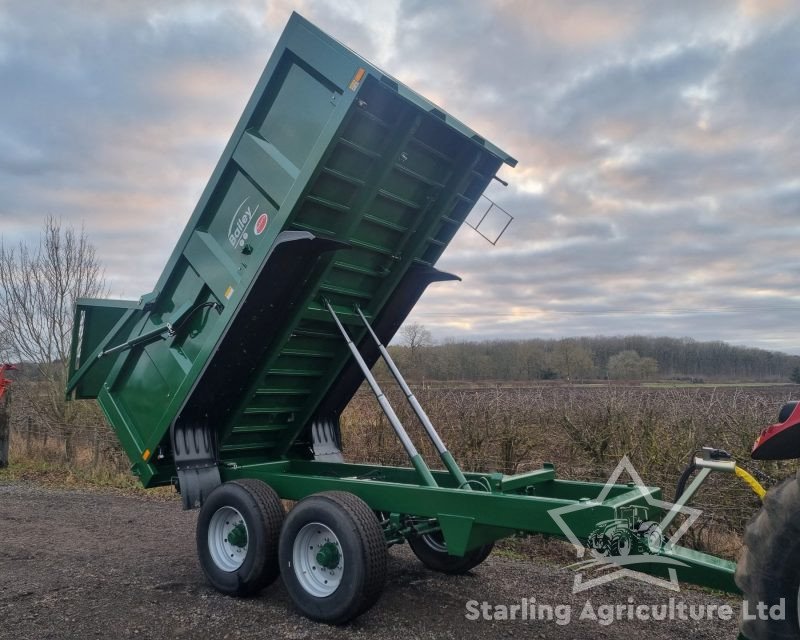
(195, 453)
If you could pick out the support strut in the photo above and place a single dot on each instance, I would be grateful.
(416, 459)
(444, 454)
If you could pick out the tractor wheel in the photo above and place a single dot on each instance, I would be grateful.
(619, 543)
(237, 536)
(333, 557)
(431, 549)
(768, 570)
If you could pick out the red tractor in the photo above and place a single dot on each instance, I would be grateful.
(5, 382)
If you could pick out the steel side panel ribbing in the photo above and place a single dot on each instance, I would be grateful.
(328, 146)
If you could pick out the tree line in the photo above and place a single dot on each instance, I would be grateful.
(599, 357)
(40, 281)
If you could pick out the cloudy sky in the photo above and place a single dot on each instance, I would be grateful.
(658, 185)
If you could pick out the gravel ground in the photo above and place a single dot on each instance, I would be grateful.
(81, 564)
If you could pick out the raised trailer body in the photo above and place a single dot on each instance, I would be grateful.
(324, 218)
(338, 183)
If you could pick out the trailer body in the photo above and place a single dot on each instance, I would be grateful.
(339, 183)
(334, 198)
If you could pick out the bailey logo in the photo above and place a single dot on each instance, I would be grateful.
(261, 224)
(237, 231)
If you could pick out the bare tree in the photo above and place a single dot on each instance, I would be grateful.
(5, 350)
(417, 338)
(38, 288)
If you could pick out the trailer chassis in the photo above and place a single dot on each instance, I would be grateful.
(514, 505)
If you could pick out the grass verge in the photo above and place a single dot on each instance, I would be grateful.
(59, 475)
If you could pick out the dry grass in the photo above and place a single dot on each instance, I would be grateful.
(41, 460)
(584, 429)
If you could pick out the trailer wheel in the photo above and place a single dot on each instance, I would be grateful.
(431, 549)
(333, 557)
(237, 536)
(769, 566)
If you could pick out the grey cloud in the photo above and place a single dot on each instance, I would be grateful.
(657, 188)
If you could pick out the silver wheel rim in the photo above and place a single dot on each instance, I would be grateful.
(226, 522)
(434, 542)
(318, 578)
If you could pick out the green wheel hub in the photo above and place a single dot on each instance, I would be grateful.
(238, 536)
(328, 556)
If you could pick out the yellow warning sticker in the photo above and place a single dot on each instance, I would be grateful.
(146, 455)
(228, 293)
(357, 79)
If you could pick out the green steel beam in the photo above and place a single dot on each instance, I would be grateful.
(523, 480)
(701, 568)
(471, 518)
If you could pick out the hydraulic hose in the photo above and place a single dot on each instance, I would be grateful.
(754, 484)
(747, 477)
(681, 486)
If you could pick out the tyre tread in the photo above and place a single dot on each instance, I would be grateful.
(272, 512)
(770, 561)
(447, 564)
(266, 509)
(374, 545)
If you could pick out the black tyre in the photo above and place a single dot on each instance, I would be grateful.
(769, 566)
(333, 557)
(238, 529)
(431, 549)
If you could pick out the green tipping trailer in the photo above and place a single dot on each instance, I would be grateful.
(317, 233)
